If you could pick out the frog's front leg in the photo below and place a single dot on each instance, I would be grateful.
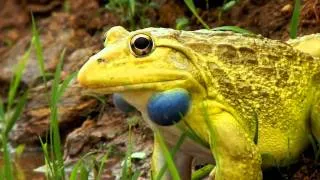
(236, 155)
(182, 161)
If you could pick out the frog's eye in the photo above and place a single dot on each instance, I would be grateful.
(141, 44)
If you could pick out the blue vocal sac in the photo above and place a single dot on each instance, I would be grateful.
(122, 104)
(169, 107)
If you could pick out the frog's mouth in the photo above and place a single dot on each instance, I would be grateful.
(122, 80)
(161, 85)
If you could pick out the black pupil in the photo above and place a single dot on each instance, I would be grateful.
(141, 43)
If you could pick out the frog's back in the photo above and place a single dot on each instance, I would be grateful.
(264, 81)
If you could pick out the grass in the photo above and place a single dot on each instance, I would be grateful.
(9, 114)
(233, 29)
(228, 5)
(182, 23)
(167, 155)
(202, 172)
(294, 23)
(172, 154)
(132, 12)
(53, 158)
(193, 9)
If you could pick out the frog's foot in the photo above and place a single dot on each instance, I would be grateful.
(182, 161)
(236, 155)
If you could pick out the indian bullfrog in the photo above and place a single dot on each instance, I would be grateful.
(252, 101)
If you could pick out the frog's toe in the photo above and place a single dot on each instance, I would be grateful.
(169, 107)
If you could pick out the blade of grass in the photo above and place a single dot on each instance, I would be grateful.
(39, 51)
(54, 123)
(127, 160)
(74, 172)
(191, 134)
(8, 172)
(203, 172)
(171, 166)
(84, 173)
(132, 5)
(65, 84)
(211, 129)
(19, 69)
(228, 5)
(192, 8)
(1, 111)
(136, 175)
(173, 153)
(49, 166)
(294, 23)
(233, 29)
(55, 86)
(18, 110)
(103, 160)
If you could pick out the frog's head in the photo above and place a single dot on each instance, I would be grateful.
(147, 59)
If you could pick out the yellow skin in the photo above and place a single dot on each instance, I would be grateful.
(258, 94)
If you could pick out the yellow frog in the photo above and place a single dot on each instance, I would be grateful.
(253, 101)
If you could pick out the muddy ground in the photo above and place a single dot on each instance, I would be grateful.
(89, 124)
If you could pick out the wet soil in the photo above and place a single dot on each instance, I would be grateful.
(88, 123)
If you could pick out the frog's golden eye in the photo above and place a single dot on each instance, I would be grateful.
(141, 44)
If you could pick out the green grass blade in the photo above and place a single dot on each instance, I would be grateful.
(229, 5)
(294, 23)
(171, 165)
(191, 134)
(132, 5)
(58, 158)
(2, 171)
(126, 164)
(19, 69)
(39, 51)
(182, 23)
(103, 160)
(136, 175)
(56, 80)
(18, 110)
(47, 160)
(74, 172)
(8, 172)
(202, 173)
(84, 173)
(211, 129)
(58, 165)
(65, 84)
(1, 111)
(233, 29)
(192, 8)
(173, 153)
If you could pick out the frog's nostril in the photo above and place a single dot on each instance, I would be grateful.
(100, 60)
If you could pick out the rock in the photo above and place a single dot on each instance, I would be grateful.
(36, 117)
